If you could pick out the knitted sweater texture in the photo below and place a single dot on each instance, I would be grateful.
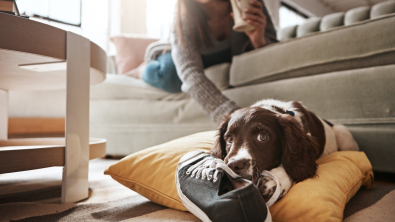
(189, 65)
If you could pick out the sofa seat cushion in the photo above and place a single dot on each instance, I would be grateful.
(127, 87)
(358, 96)
(364, 44)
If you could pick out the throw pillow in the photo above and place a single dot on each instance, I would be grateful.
(130, 51)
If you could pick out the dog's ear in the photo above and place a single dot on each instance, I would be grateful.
(219, 148)
(299, 150)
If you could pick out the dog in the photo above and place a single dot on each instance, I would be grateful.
(282, 137)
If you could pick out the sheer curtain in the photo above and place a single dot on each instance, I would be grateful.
(160, 14)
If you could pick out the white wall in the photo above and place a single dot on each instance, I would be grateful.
(133, 16)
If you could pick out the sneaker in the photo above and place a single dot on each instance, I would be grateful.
(210, 190)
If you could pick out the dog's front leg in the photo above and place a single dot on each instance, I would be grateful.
(267, 186)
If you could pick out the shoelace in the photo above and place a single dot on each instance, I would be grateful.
(209, 168)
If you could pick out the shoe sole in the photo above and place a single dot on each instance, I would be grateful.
(185, 160)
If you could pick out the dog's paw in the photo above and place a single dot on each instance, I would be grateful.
(266, 186)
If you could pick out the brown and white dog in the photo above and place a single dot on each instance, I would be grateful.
(282, 137)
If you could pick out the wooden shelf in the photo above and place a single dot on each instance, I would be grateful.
(40, 153)
(24, 127)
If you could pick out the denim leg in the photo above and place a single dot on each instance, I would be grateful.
(161, 73)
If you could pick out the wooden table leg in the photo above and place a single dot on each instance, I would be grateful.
(3, 114)
(75, 171)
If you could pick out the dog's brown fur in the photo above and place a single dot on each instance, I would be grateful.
(281, 137)
(287, 144)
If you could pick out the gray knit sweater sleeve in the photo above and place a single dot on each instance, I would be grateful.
(189, 65)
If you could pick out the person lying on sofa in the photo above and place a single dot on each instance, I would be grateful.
(202, 37)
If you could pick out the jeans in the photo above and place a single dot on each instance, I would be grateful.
(161, 73)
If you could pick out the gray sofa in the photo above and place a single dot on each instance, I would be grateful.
(341, 66)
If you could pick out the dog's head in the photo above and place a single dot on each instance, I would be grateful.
(254, 139)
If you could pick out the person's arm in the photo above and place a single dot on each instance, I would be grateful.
(190, 69)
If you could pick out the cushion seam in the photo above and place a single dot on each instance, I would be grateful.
(351, 187)
(149, 188)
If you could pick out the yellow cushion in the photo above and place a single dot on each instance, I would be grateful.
(151, 173)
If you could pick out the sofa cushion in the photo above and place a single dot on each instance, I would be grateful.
(358, 96)
(130, 51)
(309, 26)
(364, 44)
(331, 21)
(356, 15)
(382, 8)
(127, 87)
(219, 75)
(287, 33)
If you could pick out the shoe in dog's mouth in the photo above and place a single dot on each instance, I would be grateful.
(256, 173)
(246, 176)
(254, 176)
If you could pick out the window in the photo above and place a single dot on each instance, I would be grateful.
(62, 11)
(160, 14)
(88, 18)
(289, 16)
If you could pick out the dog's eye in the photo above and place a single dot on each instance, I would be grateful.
(229, 140)
(262, 137)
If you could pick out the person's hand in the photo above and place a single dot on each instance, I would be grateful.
(255, 17)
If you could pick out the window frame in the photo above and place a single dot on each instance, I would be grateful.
(49, 19)
(294, 10)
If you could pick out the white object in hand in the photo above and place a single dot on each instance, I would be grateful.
(238, 7)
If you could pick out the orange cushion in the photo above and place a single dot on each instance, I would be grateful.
(151, 172)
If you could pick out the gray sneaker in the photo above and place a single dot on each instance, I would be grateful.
(210, 190)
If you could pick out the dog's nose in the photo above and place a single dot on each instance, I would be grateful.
(239, 166)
